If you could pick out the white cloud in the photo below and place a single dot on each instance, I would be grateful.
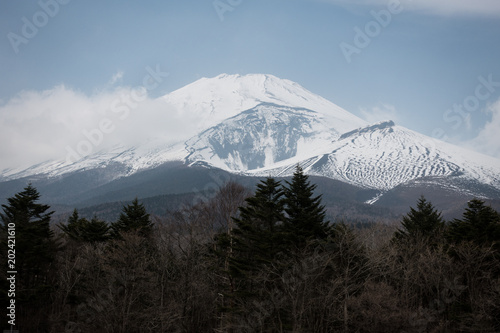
(40, 126)
(436, 7)
(380, 113)
(488, 139)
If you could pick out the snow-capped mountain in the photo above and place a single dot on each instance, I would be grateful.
(262, 125)
(383, 155)
(207, 102)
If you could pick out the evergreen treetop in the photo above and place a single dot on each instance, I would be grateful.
(305, 216)
(83, 230)
(34, 241)
(23, 209)
(424, 221)
(479, 224)
(133, 217)
(258, 234)
(73, 228)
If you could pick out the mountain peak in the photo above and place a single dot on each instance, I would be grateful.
(211, 100)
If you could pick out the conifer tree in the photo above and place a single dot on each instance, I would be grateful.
(133, 217)
(35, 250)
(73, 228)
(479, 224)
(83, 230)
(305, 216)
(423, 222)
(35, 247)
(95, 231)
(258, 235)
(256, 242)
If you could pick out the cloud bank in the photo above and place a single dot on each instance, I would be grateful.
(40, 126)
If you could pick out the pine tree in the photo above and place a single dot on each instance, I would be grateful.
(83, 230)
(254, 244)
(258, 235)
(73, 228)
(95, 231)
(479, 224)
(35, 251)
(133, 217)
(423, 222)
(34, 244)
(305, 216)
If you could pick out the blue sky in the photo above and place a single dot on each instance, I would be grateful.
(432, 67)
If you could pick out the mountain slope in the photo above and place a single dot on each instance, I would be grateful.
(260, 137)
(259, 125)
(384, 155)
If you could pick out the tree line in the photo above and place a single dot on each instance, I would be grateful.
(267, 261)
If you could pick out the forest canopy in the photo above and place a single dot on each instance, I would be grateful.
(266, 261)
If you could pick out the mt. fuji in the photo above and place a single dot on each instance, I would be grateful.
(214, 100)
(260, 125)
